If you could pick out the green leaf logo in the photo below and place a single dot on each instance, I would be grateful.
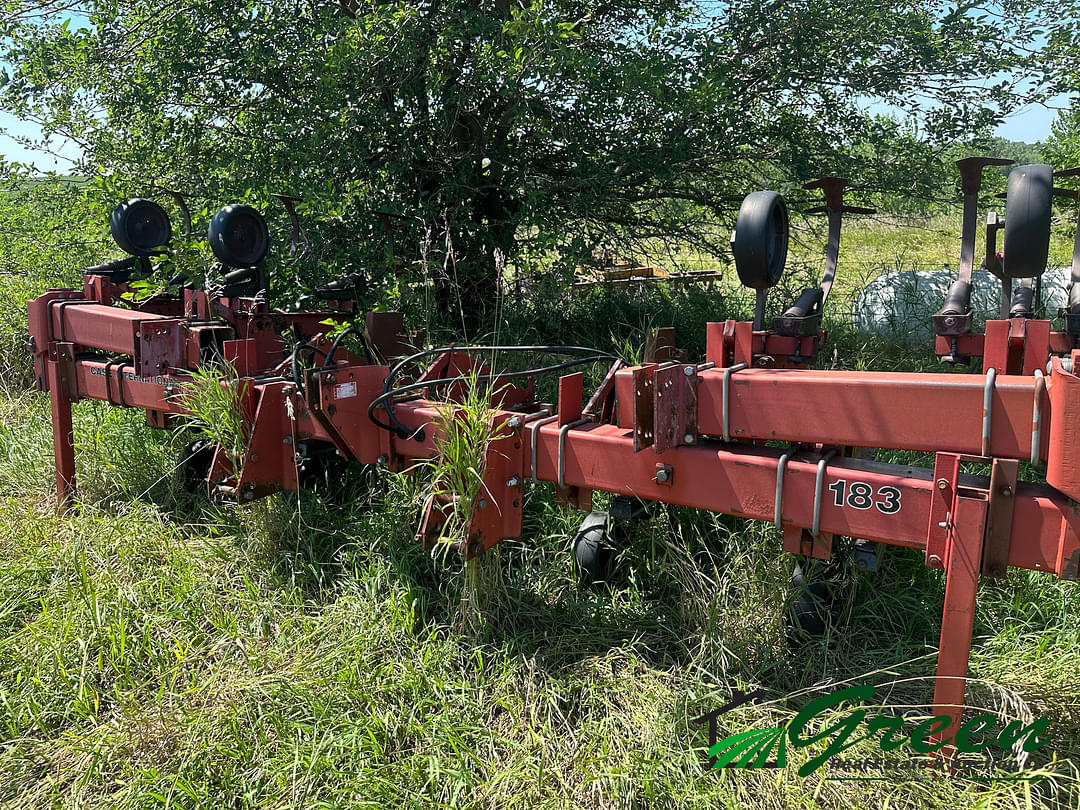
(751, 749)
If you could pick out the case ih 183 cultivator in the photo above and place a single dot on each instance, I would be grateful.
(751, 431)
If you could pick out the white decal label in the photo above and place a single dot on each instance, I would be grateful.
(859, 495)
(345, 390)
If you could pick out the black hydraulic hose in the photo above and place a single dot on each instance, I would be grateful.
(337, 341)
(384, 399)
(296, 366)
(401, 364)
(547, 349)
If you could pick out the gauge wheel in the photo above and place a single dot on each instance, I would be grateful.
(593, 550)
(140, 227)
(238, 236)
(1027, 220)
(760, 243)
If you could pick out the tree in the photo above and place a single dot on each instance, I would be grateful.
(470, 133)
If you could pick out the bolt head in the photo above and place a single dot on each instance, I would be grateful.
(935, 559)
(688, 371)
(663, 476)
(514, 481)
(287, 440)
(514, 423)
(688, 438)
(942, 483)
(482, 503)
(382, 459)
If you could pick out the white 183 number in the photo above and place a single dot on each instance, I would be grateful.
(859, 495)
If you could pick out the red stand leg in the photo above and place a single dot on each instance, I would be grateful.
(63, 434)
(962, 566)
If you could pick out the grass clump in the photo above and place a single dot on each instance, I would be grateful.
(464, 433)
(213, 400)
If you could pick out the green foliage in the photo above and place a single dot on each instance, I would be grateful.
(1063, 148)
(47, 233)
(432, 142)
(464, 433)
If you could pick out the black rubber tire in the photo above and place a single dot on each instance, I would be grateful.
(760, 244)
(327, 475)
(816, 604)
(140, 227)
(593, 550)
(195, 467)
(1028, 207)
(238, 235)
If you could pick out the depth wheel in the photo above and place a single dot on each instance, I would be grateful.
(195, 468)
(238, 235)
(817, 599)
(761, 239)
(140, 227)
(593, 550)
(1027, 220)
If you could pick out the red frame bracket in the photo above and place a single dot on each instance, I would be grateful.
(644, 405)
(496, 513)
(999, 518)
(675, 408)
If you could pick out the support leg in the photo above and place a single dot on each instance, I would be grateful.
(63, 434)
(962, 565)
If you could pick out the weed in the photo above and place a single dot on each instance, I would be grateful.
(213, 400)
(464, 433)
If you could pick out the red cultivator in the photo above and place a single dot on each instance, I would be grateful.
(704, 435)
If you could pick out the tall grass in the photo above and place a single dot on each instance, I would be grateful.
(212, 399)
(464, 434)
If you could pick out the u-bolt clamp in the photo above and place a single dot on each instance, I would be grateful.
(1036, 418)
(781, 466)
(562, 447)
(725, 399)
(539, 423)
(988, 404)
(818, 486)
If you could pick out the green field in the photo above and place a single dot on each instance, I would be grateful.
(161, 650)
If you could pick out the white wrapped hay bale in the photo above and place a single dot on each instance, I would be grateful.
(899, 305)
